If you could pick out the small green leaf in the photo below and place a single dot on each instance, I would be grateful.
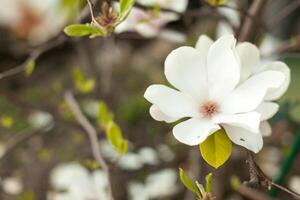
(104, 115)
(187, 182)
(29, 68)
(216, 2)
(83, 84)
(216, 149)
(78, 30)
(208, 182)
(200, 188)
(125, 8)
(114, 135)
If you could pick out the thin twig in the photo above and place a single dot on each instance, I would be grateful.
(259, 178)
(248, 27)
(286, 11)
(92, 134)
(90, 4)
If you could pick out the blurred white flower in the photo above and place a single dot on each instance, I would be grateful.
(12, 185)
(148, 156)
(176, 5)
(157, 185)
(216, 90)
(147, 24)
(40, 120)
(294, 184)
(33, 19)
(77, 183)
(131, 161)
(165, 153)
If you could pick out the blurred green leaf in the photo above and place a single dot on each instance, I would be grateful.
(216, 149)
(208, 182)
(83, 84)
(125, 8)
(6, 121)
(104, 115)
(114, 135)
(295, 113)
(187, 182)
(29, 195)
(215, 2)
(29, 68)
(78, 30)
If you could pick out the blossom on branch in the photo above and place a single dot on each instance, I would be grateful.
(219, 85)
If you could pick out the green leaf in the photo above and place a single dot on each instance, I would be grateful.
(83, 84)
(215, 2)
(114, 135)
(29, 68)
(125, 8)
(200, 188)
(208, 182)
(187, 182)
(78, 30)
(104, 115)
(295, 113)
(216, 149)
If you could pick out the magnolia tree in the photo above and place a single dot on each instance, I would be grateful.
(223, 86)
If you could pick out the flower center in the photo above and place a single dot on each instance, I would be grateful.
(209, 108)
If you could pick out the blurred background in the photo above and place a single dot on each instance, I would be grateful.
(44, 152)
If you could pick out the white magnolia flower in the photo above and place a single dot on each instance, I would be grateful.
(176, 5)
(147, 24)
(157, 185)
(34, 19)
(12, 185)
(216, 89)
(77, 183)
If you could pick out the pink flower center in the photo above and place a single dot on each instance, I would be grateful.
(209, 108)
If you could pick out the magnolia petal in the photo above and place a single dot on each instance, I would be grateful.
(160, 116)
(171, 102)
(249, 121)
(249, 56)
(185, 70)
(265, 128)
(245, 138)
(223, 67)
(274, 94)
(267, 110)
(203, 44)
(194, 131)
(248, 96)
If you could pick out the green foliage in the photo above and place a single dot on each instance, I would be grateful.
(113, 131)
(96, 28)
(295, 113)
(125, 8)
(82, 84)
(29, 195)
(187, 182)
(114, 135)
(208, 182)
(78, 30)
(29, 68)
(216, 149)
(197, 188)
(215, 2)
(104, 115)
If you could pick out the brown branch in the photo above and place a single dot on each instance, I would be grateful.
(92, 134)
(259, 178)
(248, 28)
(286, 11)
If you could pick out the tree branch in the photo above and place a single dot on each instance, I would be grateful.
(92, 134)
(259, 178)
(248, 28)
